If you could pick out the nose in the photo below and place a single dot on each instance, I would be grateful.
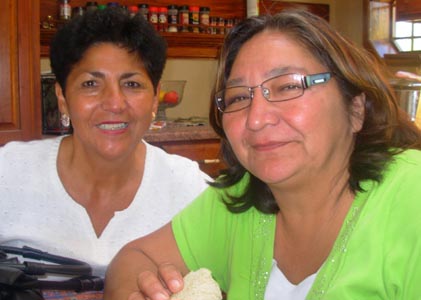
(261, 112)
(113, 99)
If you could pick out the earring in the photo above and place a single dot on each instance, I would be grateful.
(65, 120)
(153, 116)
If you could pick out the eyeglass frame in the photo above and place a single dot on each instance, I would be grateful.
(306, 82)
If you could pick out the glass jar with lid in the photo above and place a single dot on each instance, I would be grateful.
(65, 10)
(194, 18)
(172, 18)
(183, 18)
(91, 6)
(144, 10)
(162, 18)
(204, 19)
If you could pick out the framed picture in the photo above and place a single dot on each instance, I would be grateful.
(51, 123)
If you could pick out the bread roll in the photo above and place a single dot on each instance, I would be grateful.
(199, 285)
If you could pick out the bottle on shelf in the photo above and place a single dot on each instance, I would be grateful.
(144, 10)
(153, 16)
(204, 19)
(91, 5)
(162, 18)
(65, 10)
(194, 18)
(183, 18)
(172, 18)
(133, 10)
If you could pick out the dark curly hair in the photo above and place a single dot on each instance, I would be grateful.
(111, 25)
(386, 131)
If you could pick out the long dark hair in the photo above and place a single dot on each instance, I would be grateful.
(386, 131)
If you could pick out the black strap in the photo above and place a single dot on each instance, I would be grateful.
(62, 265)
(22, 276)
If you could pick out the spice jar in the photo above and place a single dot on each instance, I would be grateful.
(78, 11)
(153, 16)
(204, 19)
(65, 10)
(162, 18)
(194, 18)
(112, 4)
(172, 18)
(229, 23)
(221, 26)
(213, 24)
(144, 10)
(183, 18)
(91, 5)
(133, 10)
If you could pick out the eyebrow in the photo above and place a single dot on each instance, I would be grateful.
(123, 76)
(271, 73)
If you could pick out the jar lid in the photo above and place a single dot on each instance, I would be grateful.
(194, 8)
(91, 3)
(172, 6)
(184, 7)
(162, 9)
(153, 8)
(133, 8)
(143, 5)
(204, 9)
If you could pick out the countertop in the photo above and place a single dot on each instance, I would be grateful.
(180, 131)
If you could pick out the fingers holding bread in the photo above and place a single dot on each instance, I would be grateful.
(199, 285)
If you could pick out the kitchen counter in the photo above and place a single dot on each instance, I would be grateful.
(196, 141)
(174, 132)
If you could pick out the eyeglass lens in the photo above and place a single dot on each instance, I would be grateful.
(279, 88)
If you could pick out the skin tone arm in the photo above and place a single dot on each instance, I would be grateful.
(133, 273)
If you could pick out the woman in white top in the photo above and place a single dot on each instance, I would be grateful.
(88, 193)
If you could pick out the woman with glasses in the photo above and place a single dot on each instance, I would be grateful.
(321, 198)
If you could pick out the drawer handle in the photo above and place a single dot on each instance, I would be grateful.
(209, 161)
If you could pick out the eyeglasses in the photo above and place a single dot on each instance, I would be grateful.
(280, 88)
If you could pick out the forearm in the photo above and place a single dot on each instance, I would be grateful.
(149, 266)
(122, 273)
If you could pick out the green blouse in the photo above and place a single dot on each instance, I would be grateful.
(377, 254)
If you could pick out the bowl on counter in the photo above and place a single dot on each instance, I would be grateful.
(170, 96)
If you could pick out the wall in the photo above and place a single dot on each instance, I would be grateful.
(346, 16)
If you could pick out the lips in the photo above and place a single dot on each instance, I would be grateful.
(267, 146)
(113, 126)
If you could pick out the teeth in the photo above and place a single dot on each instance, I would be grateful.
(116, 126)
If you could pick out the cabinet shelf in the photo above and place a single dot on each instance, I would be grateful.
(180, 44)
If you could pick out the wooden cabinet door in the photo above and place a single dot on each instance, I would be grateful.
(20, 96)
(408, 10)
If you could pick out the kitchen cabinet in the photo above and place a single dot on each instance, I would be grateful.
(204, 152)
(199, 143)
(180, 44)
(20, 99)
(408, 10)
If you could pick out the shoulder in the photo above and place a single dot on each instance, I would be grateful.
(31, 151)
(403, 172)
(409, 159)
(396, 200)
(212, 200)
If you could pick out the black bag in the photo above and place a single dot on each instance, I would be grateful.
(19, 280)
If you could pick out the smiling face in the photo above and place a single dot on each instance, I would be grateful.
(290, 142)
(110, 100)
